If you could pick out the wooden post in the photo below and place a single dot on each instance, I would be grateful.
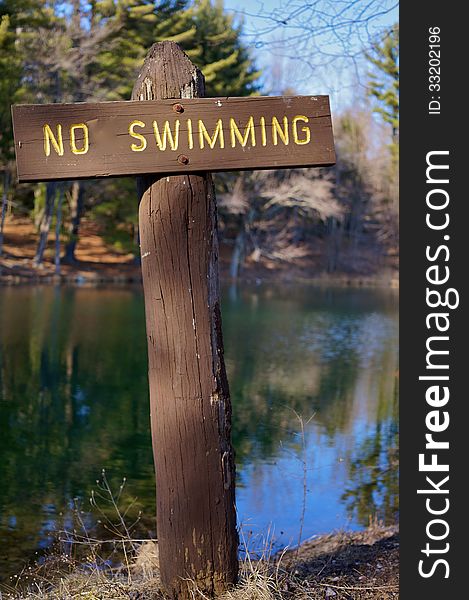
(189, 398)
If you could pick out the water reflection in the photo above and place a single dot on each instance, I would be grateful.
(73, 399)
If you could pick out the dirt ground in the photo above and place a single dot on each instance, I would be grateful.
(100, 263)
(96, 261)
(350, 566)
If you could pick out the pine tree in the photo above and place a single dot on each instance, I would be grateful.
(211, 40)
(14, 16)
(384, 83)
(384, 87)
(9, 82)
(91, 50)
(136, 26)
(217, 49)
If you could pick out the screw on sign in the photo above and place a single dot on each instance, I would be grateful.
(171, 147)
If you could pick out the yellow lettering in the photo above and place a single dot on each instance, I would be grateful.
(263, 134)
(167, 134)
(86, 141)
(204, 135)
(189, 134)
(138, 136)
(277, 131)
(49, 137)
(305, 130)
(235, 133)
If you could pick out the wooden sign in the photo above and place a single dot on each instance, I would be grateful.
(73, 141)
(189, 393)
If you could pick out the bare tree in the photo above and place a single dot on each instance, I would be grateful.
(328, 36)
(273, 210)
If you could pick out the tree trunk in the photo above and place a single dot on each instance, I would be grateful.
(6, 181)
(51, 189)
(189, 398)
(76, 209)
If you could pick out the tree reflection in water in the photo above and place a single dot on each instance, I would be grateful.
(74, 399)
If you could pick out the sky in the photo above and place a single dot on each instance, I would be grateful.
(314, 47)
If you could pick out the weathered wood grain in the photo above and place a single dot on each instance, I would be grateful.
(270, 143)
(189, 397)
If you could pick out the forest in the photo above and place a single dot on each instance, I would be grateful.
(307, 222)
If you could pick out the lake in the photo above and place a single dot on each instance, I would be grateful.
(313, 376)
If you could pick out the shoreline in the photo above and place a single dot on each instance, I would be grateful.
(343, 565)
(99, 264)
(103, 275)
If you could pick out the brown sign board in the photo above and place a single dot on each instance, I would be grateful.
(84, 140)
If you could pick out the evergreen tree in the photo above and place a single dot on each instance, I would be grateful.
(217, 49)
(91, 50)
(384, 88)
(384, 83)
(135, 25)
(8, 80)
(14, 16)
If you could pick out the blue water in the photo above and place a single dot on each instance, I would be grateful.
(313, 379)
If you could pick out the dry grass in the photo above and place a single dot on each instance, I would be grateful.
(342, 566)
